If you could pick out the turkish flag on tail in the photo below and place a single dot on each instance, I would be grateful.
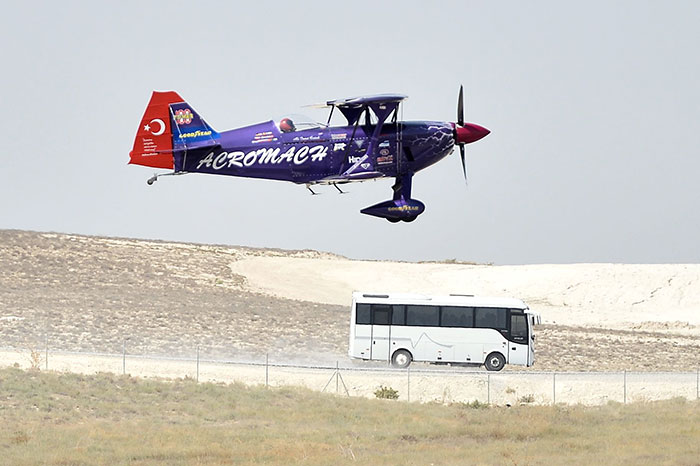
(153, 146)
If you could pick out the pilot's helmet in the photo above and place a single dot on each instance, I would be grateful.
(286, 125)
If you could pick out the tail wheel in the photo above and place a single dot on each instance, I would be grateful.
(401, 359)
(495, 362)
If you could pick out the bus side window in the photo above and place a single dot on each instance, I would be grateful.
(454, 316)
(363, 316)
(398, 314)
(422, 316)
(490, 317)
(381, 314)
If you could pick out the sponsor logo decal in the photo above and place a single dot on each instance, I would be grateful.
(183, 116)
(403, 208)
(360, 159)
(195, 134)
(337, 136)
(338, 146)
(385, 155)
(263, 156)
(265, 136)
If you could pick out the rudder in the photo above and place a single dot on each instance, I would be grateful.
(169, 124)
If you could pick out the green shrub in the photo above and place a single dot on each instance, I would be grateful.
(476, 404)
(386, 393)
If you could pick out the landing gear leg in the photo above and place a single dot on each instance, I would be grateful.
(401, 207)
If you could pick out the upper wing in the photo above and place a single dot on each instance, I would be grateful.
(353, 107)
(367, 99)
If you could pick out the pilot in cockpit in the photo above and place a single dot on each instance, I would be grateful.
(287, 125)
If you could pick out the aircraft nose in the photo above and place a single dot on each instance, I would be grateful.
(469, 133)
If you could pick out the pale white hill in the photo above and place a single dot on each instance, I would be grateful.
(621, 296)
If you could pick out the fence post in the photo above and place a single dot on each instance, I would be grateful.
(554, 388)
(124, 357)
(488, 389)
(408, 383)
(337, 377)
(267, 371)
(624, 386)
(46, 357)
(197, 378)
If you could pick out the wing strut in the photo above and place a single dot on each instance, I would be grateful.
(367, 162)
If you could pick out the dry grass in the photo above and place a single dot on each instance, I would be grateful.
(35, 359)
(104, 419)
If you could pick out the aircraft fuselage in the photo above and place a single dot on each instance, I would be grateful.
(309, 156)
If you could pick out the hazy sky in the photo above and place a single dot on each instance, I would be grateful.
(594, 109)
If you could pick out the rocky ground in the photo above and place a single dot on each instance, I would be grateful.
(90, 294)
(95, 294)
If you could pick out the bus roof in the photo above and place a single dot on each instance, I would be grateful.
(443, 300)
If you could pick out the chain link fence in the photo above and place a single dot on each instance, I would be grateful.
(419, 382)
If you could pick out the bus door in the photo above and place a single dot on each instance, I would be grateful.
(381, 332)
(518, 344)
(533, 319)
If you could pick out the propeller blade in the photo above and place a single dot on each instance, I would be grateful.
(460, 107)
(464, 163)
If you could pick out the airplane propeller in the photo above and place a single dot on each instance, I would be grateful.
(460, 122)
(466, 133)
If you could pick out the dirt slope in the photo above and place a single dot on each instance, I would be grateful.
(90, 293)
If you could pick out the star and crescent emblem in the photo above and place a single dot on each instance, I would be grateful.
(159, 124)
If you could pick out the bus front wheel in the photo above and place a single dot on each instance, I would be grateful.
(495, 362)
(401, 359)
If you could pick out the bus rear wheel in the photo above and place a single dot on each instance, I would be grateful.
(495, 362)
(401, 359)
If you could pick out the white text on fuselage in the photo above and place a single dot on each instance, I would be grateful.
(296, 155)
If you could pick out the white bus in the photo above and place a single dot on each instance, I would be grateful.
(442, 329)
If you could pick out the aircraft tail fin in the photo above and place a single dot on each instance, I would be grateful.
(169, 124)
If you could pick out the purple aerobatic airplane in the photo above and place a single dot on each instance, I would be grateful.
(373, 144)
